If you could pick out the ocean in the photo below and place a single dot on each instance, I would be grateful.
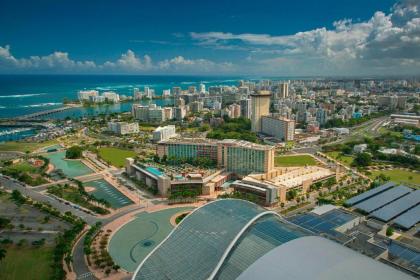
(25, 94)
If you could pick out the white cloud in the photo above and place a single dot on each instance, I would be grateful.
(385, 44)
(129, 62)
(180, 63)
(56, 60)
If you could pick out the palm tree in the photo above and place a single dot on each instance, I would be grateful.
(2, 254)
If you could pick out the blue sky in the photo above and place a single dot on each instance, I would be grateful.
(262, 37)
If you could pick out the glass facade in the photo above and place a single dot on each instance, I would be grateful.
(192, 151)
(244, 161)
(195, 248)
(265, 234)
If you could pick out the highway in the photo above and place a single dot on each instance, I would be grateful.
(367, 129)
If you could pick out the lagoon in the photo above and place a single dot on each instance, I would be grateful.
(71, 168)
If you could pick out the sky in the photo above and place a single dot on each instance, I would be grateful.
(223, 37)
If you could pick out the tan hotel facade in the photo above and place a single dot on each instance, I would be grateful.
(236, 156)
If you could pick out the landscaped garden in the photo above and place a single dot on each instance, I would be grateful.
(80, 197)
(115, 156)
(345, 159)
(400, 176)
(298, 160)
(26, 172)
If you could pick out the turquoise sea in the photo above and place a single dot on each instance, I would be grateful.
(25, 94)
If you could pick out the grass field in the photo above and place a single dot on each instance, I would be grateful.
(346, 160)
(24, 167)
(24, 146)
(27, 263)
(115, 156)
(299, 160)
(399, 176)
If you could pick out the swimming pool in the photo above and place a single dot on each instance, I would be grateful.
(71, 168)
(154, 171)
(106, 191)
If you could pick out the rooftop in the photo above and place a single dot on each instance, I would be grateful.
(317, 258)
(213, 238)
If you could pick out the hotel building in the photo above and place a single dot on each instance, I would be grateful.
(236, 156)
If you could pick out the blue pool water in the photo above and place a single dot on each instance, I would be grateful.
(154, 171)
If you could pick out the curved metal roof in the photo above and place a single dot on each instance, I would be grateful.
(317, 258)
(219, 239)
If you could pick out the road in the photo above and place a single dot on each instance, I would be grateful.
(369, 128)
(79, 265)
(35, 195)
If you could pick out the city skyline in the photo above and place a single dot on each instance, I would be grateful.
(230, 38)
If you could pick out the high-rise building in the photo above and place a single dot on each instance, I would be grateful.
(176, 91)
(111, 96)
(280, 128)
(151, 113)
(166, 93)
(168, 113)
(217, 105)
(180, 102)
(283, 90)
(260, 103)
(85, 95)
(180, 112)
(301, 107)
(192, 89)
(147, 92)
(196, 106)
(202, 88)
(246, 108)
(321, 116)
(235, 110)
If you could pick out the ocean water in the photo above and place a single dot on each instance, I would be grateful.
(12, 134)
(25, 94)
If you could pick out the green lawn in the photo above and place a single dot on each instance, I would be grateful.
(299, 160)
(115, 156)
(399, 176)
(346, 160)
(27, 263)
(24, 167)
(24, 146)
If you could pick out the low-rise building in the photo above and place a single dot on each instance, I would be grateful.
(123, 128)
(359, 148)
(163, 133)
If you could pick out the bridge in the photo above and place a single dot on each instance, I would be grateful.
(45, 113)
